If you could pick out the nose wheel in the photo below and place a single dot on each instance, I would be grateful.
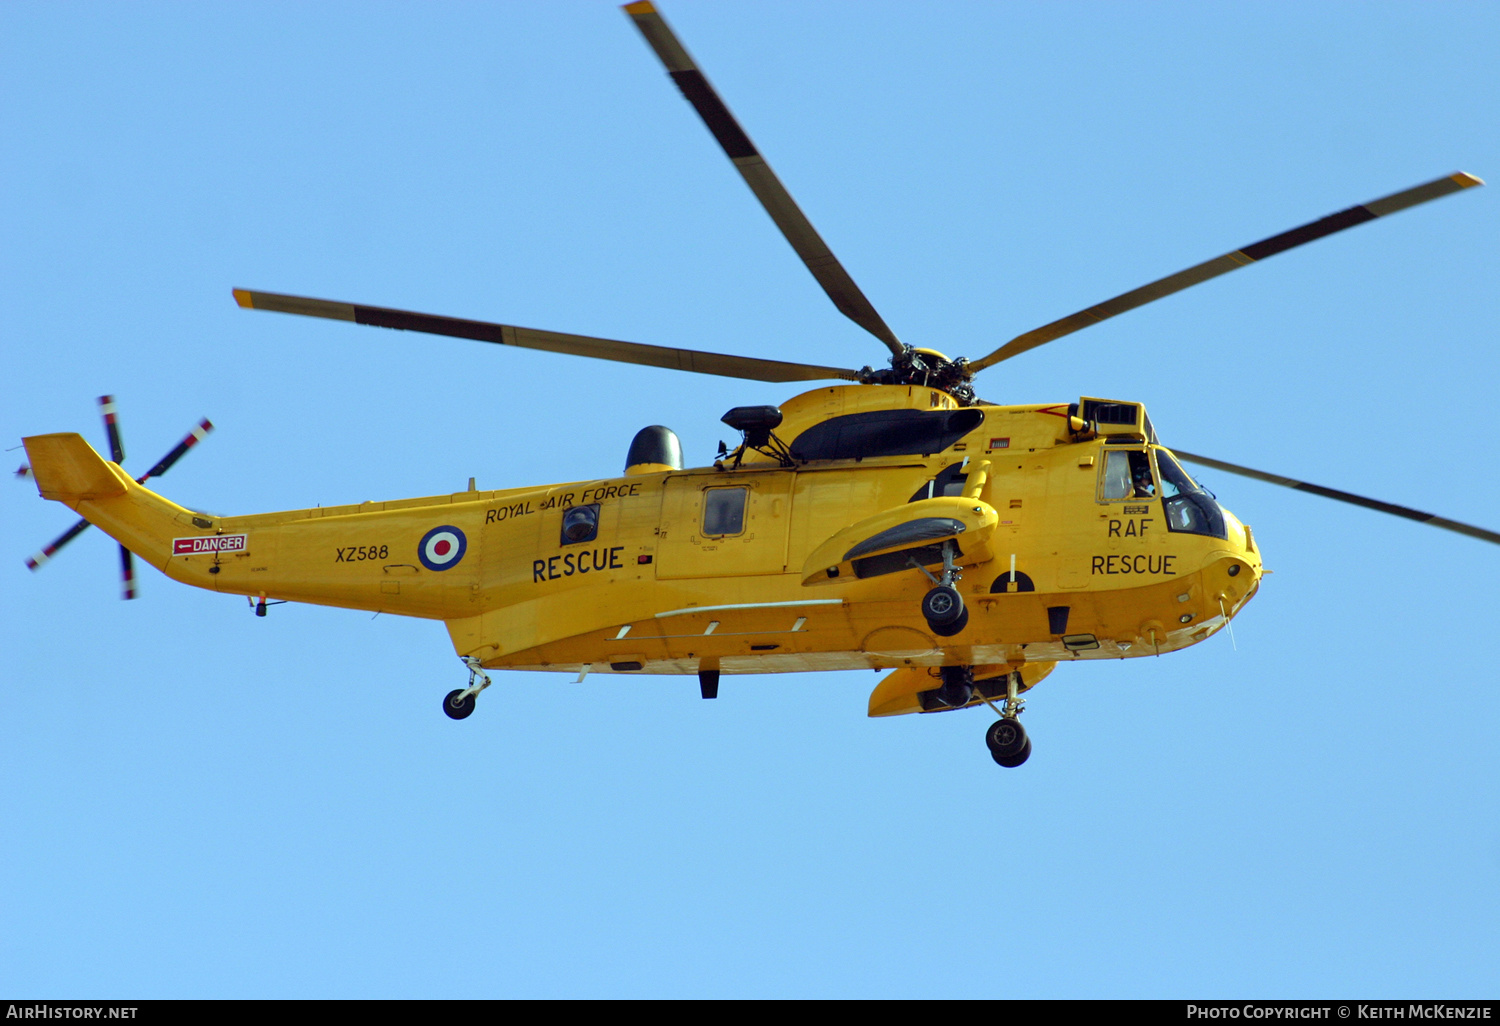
(459, 704)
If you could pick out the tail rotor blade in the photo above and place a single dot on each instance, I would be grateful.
(35, 562)
(165, 463)
(127, 574)
(112, 428)
(117, 451)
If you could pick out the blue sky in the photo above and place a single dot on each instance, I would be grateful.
(197, 802)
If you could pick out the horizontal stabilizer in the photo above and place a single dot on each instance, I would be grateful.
(68, 469)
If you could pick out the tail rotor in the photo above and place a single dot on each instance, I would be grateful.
(117, 453)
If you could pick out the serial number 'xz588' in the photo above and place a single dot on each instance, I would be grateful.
(360, 553)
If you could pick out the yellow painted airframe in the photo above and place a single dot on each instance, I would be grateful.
(897, 522)
(652, 590)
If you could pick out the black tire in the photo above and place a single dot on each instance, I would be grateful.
(1006, 739)
(952, 628)
(1011, 762)
(942, 606)
(455, 709)
(957, 689)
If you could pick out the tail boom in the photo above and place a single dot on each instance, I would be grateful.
(358, 557)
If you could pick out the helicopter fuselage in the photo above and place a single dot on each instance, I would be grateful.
(677, 571)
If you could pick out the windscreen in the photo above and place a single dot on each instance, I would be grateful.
(1190, 508)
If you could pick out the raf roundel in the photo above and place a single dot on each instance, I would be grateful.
(441, 548)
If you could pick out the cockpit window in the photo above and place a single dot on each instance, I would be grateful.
(1115, 480)
(1174, 480)
(885, 433)
(1142, 483)
(1126, 475)
(1190, 508)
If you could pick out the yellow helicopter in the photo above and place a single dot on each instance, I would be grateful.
(891, 521)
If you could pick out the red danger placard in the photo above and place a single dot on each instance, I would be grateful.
(212, 543)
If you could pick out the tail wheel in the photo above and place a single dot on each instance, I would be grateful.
(457, 705)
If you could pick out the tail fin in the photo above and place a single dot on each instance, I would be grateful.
(68, 469)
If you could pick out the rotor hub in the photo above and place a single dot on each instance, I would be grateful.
(926, 368)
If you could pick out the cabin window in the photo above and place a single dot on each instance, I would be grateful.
(1125, 476)
(580, 524)
(724, 511)
(885, 433)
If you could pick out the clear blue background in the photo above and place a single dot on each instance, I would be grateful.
(197, 802)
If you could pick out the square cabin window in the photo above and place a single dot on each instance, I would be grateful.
(724, 510)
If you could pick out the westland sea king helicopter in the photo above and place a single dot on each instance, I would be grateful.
(891, 521)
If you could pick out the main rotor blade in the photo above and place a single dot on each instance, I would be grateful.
(112, 428)
(1358, 500)
(550, 341)
(35, 562)
(773, 196)
(1229, 262)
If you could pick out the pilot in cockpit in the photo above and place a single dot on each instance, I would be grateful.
(1140, 475)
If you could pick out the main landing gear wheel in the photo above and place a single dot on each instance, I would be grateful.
(1008, 742)
(457, 705)
(942, 606)
(1015, 760)
(953, 628)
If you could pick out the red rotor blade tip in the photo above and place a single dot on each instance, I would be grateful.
(112, 428)
(127, 574)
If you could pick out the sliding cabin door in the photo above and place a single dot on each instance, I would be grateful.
(725, 524)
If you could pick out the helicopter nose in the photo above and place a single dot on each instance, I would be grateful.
(1233, 576)
(1241, 539)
